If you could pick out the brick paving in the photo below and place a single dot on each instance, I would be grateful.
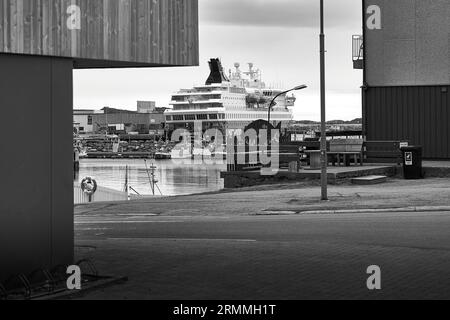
(287, 257)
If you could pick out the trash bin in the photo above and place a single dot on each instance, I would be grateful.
(412, 162)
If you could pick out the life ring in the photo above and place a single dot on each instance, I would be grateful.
(89, 186)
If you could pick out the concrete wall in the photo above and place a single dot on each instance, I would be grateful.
(413, 45)
(242, 179)
(407, 74)
(36, 189)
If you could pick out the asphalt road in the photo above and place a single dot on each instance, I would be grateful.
(269, 257)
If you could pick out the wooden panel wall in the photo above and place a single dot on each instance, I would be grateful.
(135, 32)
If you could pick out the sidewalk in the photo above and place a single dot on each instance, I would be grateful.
(288, 199)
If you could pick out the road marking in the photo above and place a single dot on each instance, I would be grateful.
(137, 214)
(123, 222)
(276, 213)
(185, 239)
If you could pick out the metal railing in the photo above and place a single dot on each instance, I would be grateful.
(102, 194)
(357, 47)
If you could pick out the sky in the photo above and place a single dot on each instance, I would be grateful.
(281, 37)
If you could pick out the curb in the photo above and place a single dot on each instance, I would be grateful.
(100, 284)
(385, 210)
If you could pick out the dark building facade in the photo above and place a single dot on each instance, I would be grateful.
(125, 121)
(41, 42)
(406, 62)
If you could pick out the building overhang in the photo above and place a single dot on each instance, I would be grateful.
(103, 34)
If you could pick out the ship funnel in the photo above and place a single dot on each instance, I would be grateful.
(217, 75)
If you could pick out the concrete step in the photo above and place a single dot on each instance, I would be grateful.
(369, 180)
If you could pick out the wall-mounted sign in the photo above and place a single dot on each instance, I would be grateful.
(404, 144)
(374, 17)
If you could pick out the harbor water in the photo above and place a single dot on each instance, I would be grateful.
(174, 178)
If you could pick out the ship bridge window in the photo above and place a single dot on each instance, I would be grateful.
(169, 118)
(213, 116)
(190, 117)
(237, 90)
(202, 117)
(193, 98)
(178, 118)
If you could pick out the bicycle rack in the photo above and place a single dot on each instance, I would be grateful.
(92, 270)
(3, 293)
(58, 273)
(42, 279)
(15, 283)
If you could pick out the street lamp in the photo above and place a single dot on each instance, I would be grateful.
(323, 128)
(272, 103)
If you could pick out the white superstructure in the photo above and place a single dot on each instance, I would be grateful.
(228, 102)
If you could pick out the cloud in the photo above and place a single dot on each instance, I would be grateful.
(278, 13)
(279, 36)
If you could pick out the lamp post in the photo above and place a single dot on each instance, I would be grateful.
(323, 130)
(272, 103)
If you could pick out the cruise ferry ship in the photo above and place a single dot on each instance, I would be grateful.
(228, 102)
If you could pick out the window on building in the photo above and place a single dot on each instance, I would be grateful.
(213, 116)
(178, 118)
(89, 121)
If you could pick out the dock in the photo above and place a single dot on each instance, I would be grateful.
(120, 155)
(336, 175)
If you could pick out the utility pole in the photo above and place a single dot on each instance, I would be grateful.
(323, 131)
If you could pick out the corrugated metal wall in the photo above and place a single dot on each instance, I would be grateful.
(420, 114)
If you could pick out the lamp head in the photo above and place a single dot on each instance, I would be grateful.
(300, 87)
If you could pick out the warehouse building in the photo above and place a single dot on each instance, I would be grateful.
(117, 121)
(405, 57)
(82, 121)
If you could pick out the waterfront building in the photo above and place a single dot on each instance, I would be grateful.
(83, 120)
(125, 121)
(146, 106)
(405, 56)
(41, 42)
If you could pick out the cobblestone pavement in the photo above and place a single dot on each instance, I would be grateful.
(267, 257)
